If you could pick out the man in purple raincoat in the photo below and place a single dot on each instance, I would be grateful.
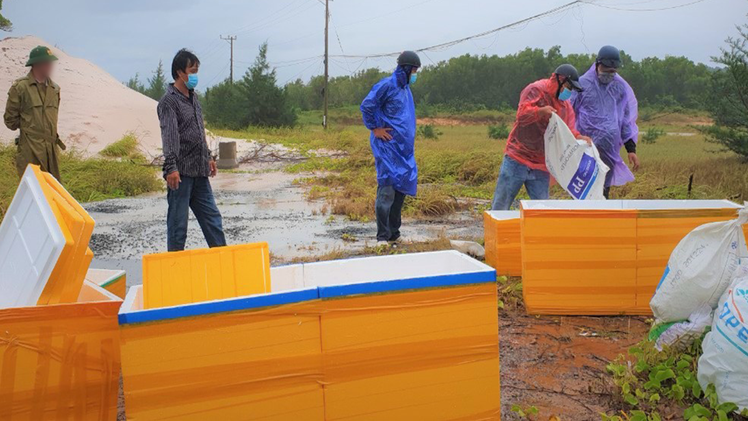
(606, 111)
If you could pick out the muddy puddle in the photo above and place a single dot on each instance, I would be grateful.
(259, 202)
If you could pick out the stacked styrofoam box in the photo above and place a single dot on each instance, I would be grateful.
(59, 340)
(393, 337)
(502, 240)
(604, 257)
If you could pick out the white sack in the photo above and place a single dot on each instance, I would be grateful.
(575, 164)
(700, 269)
(724, 362)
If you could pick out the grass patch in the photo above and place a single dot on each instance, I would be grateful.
(462, 164)
(87, 179)
(127, 147)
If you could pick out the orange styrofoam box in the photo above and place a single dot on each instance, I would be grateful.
(112, 280)
(390, 337)
(430, 355)
(232, 359)
(604, 257)
(193, 276)
(61, 361)
(501, 230)
(66, 280)
(58, 288)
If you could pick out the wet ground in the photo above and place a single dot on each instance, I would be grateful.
(556, 364)
(259, 202)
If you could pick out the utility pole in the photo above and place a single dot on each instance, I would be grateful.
(327, 58)
(231, 40)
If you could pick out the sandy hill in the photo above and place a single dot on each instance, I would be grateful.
(95, 110)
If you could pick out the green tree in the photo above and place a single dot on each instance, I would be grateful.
(135, 84)
(728, 104)
(225, 106)
(5, 24)
(265, 103)
(157, 83)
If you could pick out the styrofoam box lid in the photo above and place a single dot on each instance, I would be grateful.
(31, 241)
(504, 215)
(308, 281)
(628, 204)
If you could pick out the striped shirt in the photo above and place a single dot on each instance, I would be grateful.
(183, 134)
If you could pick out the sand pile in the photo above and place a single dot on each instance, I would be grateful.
(95, 109)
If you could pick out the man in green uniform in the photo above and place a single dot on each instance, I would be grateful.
(33, 105)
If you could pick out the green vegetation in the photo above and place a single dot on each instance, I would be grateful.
(156, 84)
(255, 100)
(87, 179)
(658, 385)
(728, 103)
(500, 131)
(127, 147)
(5, 24)
(474, 83)
(428, 131)
(463, 164)
(652, 134)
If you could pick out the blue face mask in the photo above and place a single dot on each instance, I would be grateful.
(564, 95)
(413, 78)
(191, 81)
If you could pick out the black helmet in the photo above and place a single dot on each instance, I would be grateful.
(409, 58)
(570, 72)
(609, 56)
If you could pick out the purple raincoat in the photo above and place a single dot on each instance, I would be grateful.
(607, 114)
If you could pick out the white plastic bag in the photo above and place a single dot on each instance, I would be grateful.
(700, 269)
(724, 362)
(575, 164)
(681, 335)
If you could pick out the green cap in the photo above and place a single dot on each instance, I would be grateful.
(40, 54)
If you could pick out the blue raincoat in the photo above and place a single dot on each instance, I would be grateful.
(607, 114)
(390, 104)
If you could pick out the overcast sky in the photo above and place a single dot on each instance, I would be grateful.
(125, 37)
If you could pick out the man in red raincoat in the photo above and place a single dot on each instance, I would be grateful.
(524, 157)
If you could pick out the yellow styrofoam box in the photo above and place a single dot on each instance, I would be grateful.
(67, 278)
(431, 355)
(391, 337)
(114, 281)
(658, 232)
(604, 257)
(223, 360)
(62, 285)
(61, 361)
(502, 242)
(193, 276)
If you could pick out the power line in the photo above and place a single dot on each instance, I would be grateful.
(485, 33)
(622, 9)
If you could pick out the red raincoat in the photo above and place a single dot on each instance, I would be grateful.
(526, 142)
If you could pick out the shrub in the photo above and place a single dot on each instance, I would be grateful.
(652, 134)
(428, 131)
(498, 132)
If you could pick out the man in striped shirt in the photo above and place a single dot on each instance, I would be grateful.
(187, 159)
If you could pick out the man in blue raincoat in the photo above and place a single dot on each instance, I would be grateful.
(390, 113)
(606, 111)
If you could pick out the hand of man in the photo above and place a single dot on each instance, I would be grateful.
(634, 161)
(382, 133)
(213, 168)
(586, 139)
(173, 180)
(545, 112)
